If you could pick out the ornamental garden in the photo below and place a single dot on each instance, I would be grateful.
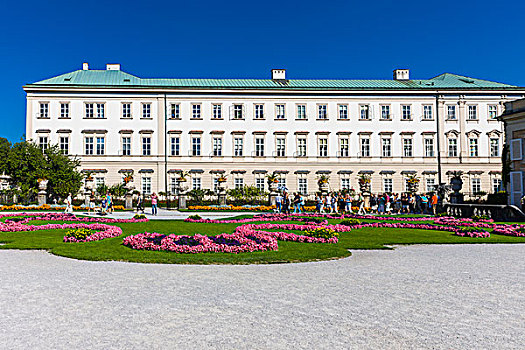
(263, 238)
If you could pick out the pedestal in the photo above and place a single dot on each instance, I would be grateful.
(456, 198)
(222, 198)
(87, 198)
(129, 201)
(42, 198)
(182, 201)
(273, 198)
(366, 197)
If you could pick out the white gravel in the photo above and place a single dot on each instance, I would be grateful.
(417, 297)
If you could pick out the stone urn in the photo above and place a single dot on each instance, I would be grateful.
(456, 183)
(181, 192)
(129, 195)
(272, 185)
(324, 187)
(42, 193)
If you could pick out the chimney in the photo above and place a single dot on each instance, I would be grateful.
(401, 74)
(278, 74)
(113, 66)
(85, 66)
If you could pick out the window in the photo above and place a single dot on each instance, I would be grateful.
(301, 111)
(146, 185)
(345, 183)
(279, 112)
(238, 182)
(364, 112)
(280, 147)
(89, 145)
(475, 184)
(387, 185)
(408, 150)
(259, 183)
(44, 110)
(196, 146)
(385, 112)
(472, 112)
(496, 185)
(323, 147)
(173, 185)
(126, 145)
(100, 145)
(64, 110)
(237, 112)
(175, 146)
(343, 112)
(64, 144)
(301, 147)
(344, 147)
(90, 110)
(259, 146)
(216, 184)
(431, 184)
(493, 112)
(196, 183)
(281, 183)
(452, 147)
(259, 111)
(237, 147)
(494, 147)
(473, 146)
(43, 143)
(146, 146)
(175, 111)
(126, 110)
(451, 112)
(217, 147)
(99, 181)
(365, 146)
(429, 147)
(406, 112)
(386, 147)
(217, 112)
(302, 186)
(100, 110)
(146, 110)
(427, 112)
(195, 111)
(322, 114)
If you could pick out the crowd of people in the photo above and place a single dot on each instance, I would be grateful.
(350, 203)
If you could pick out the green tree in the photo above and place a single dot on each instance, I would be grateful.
(5, 147)
(26, 163)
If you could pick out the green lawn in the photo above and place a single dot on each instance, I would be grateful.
(112, 248)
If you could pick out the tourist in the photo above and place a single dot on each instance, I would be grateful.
(69, 204)
(140, 203)
(361, 202)
(373, 203)
(333, 203)
(388, 203)
(318, 203)
(154, 199)
(424, 204)
(404, 204)
(278, 202)
(381, 204)
(286, 203)
(348, 204)
(433, 203)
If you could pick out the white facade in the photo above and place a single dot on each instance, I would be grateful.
(387, 132)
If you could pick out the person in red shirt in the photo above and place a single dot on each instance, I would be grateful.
(434, 202)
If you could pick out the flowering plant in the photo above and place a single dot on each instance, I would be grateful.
(128, 177)
(322, 232)
(79, 233)
(222, 178)
(272, 178)
(323, 179)
(364, 179)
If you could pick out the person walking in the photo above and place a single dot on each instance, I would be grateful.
(154, 199)
(433, 203)
(362, 210)
(69, 204)
(140, 203)
(278, 202)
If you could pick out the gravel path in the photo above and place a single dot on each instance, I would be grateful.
(418, 297)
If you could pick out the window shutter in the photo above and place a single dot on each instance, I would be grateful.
(516, 149)
(516, 187)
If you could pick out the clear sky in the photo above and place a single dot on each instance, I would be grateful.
(245, 39)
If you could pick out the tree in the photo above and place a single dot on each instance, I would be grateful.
(5, 147)
(26, 163)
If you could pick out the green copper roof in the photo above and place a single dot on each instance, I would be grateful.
(117, 78)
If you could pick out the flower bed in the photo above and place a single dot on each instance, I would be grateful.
(231, 208)
(47, 207)
(98, 231)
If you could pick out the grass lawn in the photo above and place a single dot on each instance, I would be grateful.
(112, 248)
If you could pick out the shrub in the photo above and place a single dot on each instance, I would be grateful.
(472, 229)
(139, 216)
(442, 214)
(195, 217)
(322, 232)
(79, 233)
(480, 217)
(350, 222)
(314, 220)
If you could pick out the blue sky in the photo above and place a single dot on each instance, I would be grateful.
(245, 39)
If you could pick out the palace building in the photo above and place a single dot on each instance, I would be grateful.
(117, 122)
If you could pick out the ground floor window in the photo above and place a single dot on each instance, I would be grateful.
(302, 186)
(146, 185)
(431, 184)
(259, 183)
(238, 182)
(196, 183)
(345, 183)
(387, 185)
(475, 185)
(281, 183)
(496, 185)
